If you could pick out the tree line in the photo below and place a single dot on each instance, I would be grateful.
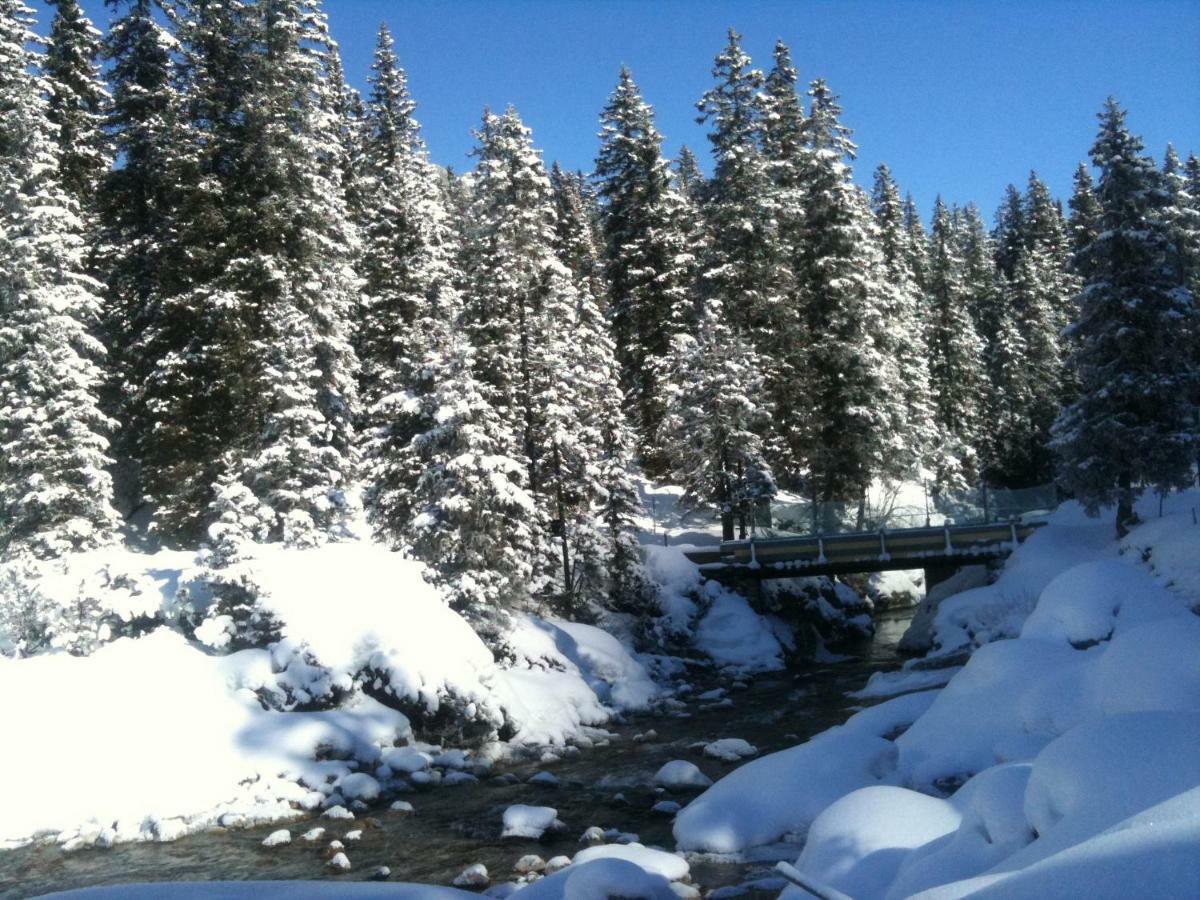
(239, 294)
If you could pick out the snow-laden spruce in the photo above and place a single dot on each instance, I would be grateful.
(55, 490)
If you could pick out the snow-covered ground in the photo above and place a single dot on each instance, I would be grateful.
(1060, 761)
(154, 736)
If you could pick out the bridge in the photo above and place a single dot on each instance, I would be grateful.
(976, 527)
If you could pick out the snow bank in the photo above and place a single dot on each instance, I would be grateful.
(1069, 748)
(150, 738)
(858, 843)
(733, 634)
(269, 890)
(659, 862)
(364, 638)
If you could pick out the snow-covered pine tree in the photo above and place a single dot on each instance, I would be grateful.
(407, 268)
(290, 246)
(746, 260)
(135, 207)
(689, 179)
(1086, 216)
(1133, 423)
(714, 420)
(1024, 375)
(956, 377)
(840, 366)
(607, 570)
(918, 243)
(907, 353)
(981, 282)
(76, 102)
(1183, 212)
(651, 262)
(577, 239)
(55, 490)
(1046, 236)
(1010, 233)
(469, 515)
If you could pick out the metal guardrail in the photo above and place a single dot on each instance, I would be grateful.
(978, 506)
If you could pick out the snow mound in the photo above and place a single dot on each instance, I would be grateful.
(658, 862)
(857, 844)
(600, 879)
(191, 742)
(522, 821)
(734, 634)
(679, 774)
(730, 749)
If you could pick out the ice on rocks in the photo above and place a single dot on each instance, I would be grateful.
(679, 774)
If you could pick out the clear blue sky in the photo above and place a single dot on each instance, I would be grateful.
(959, 98)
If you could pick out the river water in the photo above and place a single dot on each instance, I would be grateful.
(455, 826)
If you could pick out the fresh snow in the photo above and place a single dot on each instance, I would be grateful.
(659, 862)
(190, 740)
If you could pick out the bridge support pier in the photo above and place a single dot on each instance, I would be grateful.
(935, 575)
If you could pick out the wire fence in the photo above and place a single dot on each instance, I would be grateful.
(977, 506)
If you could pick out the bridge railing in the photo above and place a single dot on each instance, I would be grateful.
(977, 506)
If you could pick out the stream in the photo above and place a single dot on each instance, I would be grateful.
(455, 826)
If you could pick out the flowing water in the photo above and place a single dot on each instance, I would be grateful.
(455, 826)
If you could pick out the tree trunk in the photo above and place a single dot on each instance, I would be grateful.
(1125, 514)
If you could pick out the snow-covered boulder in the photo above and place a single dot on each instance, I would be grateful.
(472, 876)
(522, 821)
(730, 749)
(600, 879)
(679, 774)
(275, 838)
(659, 862)
(359, 786)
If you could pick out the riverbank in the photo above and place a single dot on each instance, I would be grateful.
(454, 825)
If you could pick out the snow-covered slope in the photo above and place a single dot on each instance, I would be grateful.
(156, 735)
(1060, 760)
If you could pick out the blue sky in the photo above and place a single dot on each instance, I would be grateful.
(959, 98)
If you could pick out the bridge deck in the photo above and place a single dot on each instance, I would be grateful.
(841, 554)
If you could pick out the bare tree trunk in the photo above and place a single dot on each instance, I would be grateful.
(1125, 514)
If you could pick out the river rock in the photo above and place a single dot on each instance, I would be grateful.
(402, 808)
(472, 876)
(275, 838)
(557, 864)
(645, 737)
(666, 807)
(679, 774)
(379, 873)
(544, 779)
(313, 834)
(522, 821)
(451, 759)
(456, 777)
(730, 749)
(355, 835)
(359, 786)
(338, 812)
(339, 862)
(530, 863)
(406, 760)
(685, 891)
(593, 836)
